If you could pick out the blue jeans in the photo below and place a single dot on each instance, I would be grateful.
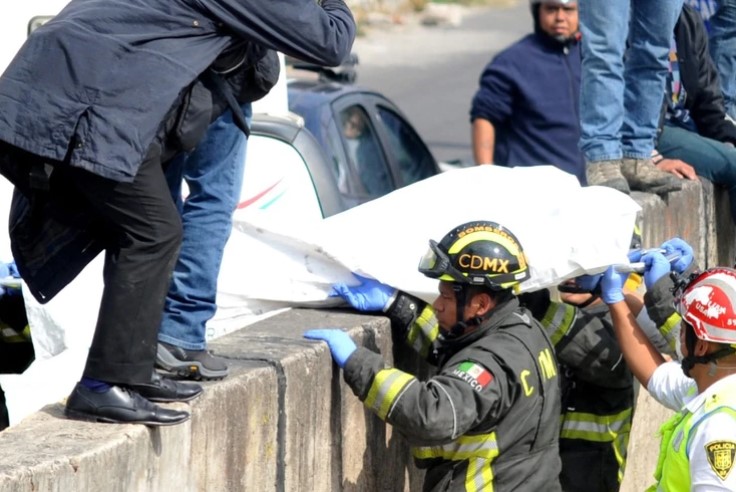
(711, 159)
(621, 100)
(214, 175)
(723, 50)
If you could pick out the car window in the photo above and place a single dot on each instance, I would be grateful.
(364, 151)
(414, 159)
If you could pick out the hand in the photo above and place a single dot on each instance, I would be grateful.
(656, 266)
(340, 343)
(680, 247)
(677, 167)
(612, 285)
(588, 283)
(4, 272)
(370, 295)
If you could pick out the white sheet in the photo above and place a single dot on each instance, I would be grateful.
(273, 263)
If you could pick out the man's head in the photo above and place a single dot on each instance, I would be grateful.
(479, 264)
(707, 305)
(556, 18)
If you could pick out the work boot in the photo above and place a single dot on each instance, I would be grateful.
(190, 364)
(643, 175)
(606, 173)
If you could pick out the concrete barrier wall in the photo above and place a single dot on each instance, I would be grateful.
(284, 421)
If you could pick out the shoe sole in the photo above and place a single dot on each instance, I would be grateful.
(187, 370)
(88, 417)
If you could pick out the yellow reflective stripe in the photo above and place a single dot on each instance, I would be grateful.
(666, 329)
(557, 320)
(9, 335)
(504, 241)
(479, 477)
(424, 331)
(464, 447)
(620, 444)
(386, 386)
(596, 428)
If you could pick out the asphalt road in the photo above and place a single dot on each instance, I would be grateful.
(432, 72)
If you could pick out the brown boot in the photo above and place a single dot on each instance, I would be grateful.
(606, 173)
(643, 175)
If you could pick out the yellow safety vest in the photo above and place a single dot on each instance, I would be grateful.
(673, 465)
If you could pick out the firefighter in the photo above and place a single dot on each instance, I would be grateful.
(597, 386)
(699, 441)
(489, 417)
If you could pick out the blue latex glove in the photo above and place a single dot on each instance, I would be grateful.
(4, 272)
(612, 285)
(370, 295)
(634, 255)
(656, 266)
(588, 282)
(8, 270)
(679, 246)
(340, 343)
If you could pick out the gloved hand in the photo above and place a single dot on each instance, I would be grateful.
(679, 246)
(340, 343)
(370, 295)
(634, 255)
(588, 282)
(656, 266)
(8, 270)
(612, 285)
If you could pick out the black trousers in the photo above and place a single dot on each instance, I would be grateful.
(140, 230)
(143, 229)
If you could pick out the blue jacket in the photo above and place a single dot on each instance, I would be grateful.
(530, 92)
(103, 74)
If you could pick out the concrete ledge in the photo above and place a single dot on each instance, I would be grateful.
(284, 421)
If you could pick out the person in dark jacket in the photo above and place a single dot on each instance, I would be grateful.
(90, 107)
(489, 417)
(695, 129)
(525, 111)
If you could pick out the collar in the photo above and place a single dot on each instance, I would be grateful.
(726, 384)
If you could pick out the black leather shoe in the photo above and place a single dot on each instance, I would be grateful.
(119, 406)
(165, 390)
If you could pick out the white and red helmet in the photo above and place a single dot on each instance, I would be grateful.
(708, 304)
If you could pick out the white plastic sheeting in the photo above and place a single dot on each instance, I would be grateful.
(272, 263)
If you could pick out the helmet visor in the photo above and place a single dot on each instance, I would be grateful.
(435, 263)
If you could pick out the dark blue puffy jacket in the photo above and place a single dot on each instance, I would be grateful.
(530, 92)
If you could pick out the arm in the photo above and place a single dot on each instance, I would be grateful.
(639, 353)
(484, 140)
(321, 33)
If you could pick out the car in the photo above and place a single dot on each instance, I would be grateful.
(373, 147)
(287, 172)
(337, 145)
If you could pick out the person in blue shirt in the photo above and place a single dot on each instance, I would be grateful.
(525, 111)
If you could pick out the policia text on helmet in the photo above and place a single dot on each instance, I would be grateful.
(480, 264)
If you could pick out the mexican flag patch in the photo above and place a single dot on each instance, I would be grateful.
(475, 374)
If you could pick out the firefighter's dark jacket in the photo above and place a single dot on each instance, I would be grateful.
(104, 84)
(597, 396)
(490, 414)
(659, 301)
(699, 77)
